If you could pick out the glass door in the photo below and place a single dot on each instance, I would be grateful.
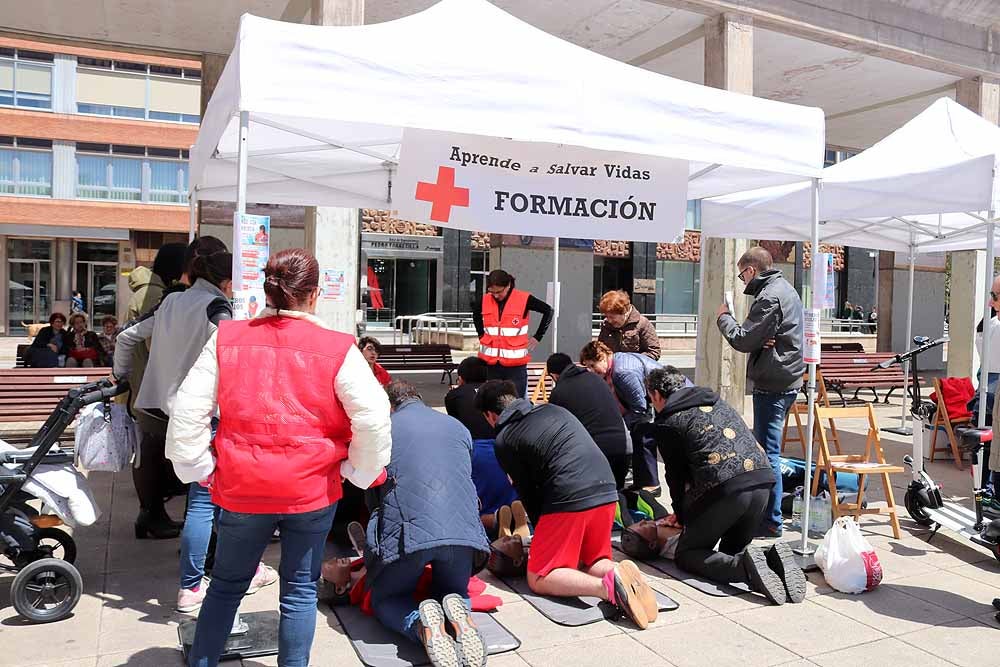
(28, 294)
(104, 285)
(97, 279)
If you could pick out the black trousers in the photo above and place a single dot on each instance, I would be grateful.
(644, 470)
(730, 522)
(154, 479)
(516, 374)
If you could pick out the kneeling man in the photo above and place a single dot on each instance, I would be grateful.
(426, 513)
(570, 494)
(720, 480)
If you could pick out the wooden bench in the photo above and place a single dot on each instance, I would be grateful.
(842, 347)
(404, 358)
(851, 370)
(31, 394)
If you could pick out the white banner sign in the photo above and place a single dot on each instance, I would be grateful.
(251, 249)
(811, 336)
(511, 187)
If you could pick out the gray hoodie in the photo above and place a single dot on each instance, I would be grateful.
(776, 313)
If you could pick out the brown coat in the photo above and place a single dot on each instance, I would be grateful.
(637, 335)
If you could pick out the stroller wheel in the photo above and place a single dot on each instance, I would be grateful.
(55, 543)
(46, 590)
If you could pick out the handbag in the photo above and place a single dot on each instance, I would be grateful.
(106, 438)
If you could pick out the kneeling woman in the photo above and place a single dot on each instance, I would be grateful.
(298, 408)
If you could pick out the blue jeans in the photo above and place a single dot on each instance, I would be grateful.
(241, 542)
(769, 411)
(198, 522)
(392, 591)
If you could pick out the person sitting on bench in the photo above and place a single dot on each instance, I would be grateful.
(720, 480)
(590, 400)
(569, 492)
(426, 514)
(492, 486)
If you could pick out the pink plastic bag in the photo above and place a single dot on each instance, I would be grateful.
(848, 560)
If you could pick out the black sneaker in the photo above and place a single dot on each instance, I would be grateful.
(439, 645)
(781, 559)
(469, 642)
(763, 579)
(996, 603)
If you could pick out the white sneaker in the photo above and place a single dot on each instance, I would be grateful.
(189, 600)
(265, 576)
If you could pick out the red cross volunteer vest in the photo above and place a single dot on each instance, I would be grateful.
(505, 340)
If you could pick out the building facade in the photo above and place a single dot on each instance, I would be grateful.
(93, 172)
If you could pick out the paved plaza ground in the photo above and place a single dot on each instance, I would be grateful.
(933, 607)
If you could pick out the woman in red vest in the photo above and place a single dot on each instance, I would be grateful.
(298, 409)
(502, 321)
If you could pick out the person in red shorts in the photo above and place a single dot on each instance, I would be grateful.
(569, 492)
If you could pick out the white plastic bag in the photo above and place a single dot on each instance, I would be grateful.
(848, 561)
(105, 442)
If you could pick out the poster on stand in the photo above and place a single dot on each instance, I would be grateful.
(251, 250)
(811, 337)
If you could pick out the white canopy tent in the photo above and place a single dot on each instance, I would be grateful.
(930, 186)
(312, 115)
(325, 108)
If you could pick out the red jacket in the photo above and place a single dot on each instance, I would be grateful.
(282, 432)
(381, 374)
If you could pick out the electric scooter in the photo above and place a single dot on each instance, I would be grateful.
(923, 499)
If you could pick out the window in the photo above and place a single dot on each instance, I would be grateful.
(135, 90)
(26, 79)
(693, 217)
(26, 167)
(168, 181)
(480, 269)
(676, 287)
(119, 173)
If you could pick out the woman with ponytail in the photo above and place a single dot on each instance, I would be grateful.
(299, 410)
(176, 332)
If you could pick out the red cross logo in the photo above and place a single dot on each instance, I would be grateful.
(443, 194)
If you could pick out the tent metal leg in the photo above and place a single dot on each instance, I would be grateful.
(984, 369)
(805, 549)
(555, 295)
(903, 429)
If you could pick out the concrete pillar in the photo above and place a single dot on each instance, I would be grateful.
(63, 267)
(968, 275)
(728, 65)
(968, 268)
(333, 234)
(211, 70)
(886, 285)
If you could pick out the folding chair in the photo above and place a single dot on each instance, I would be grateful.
(798, 412)
(872, 462)
(942, 418)
(543, 383)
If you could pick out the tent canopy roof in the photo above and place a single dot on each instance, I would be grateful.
(328, 105)
(930, 183)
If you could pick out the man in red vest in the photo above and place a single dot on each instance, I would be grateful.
(502, 322)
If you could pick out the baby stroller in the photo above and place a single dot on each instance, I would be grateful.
(47, 586)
